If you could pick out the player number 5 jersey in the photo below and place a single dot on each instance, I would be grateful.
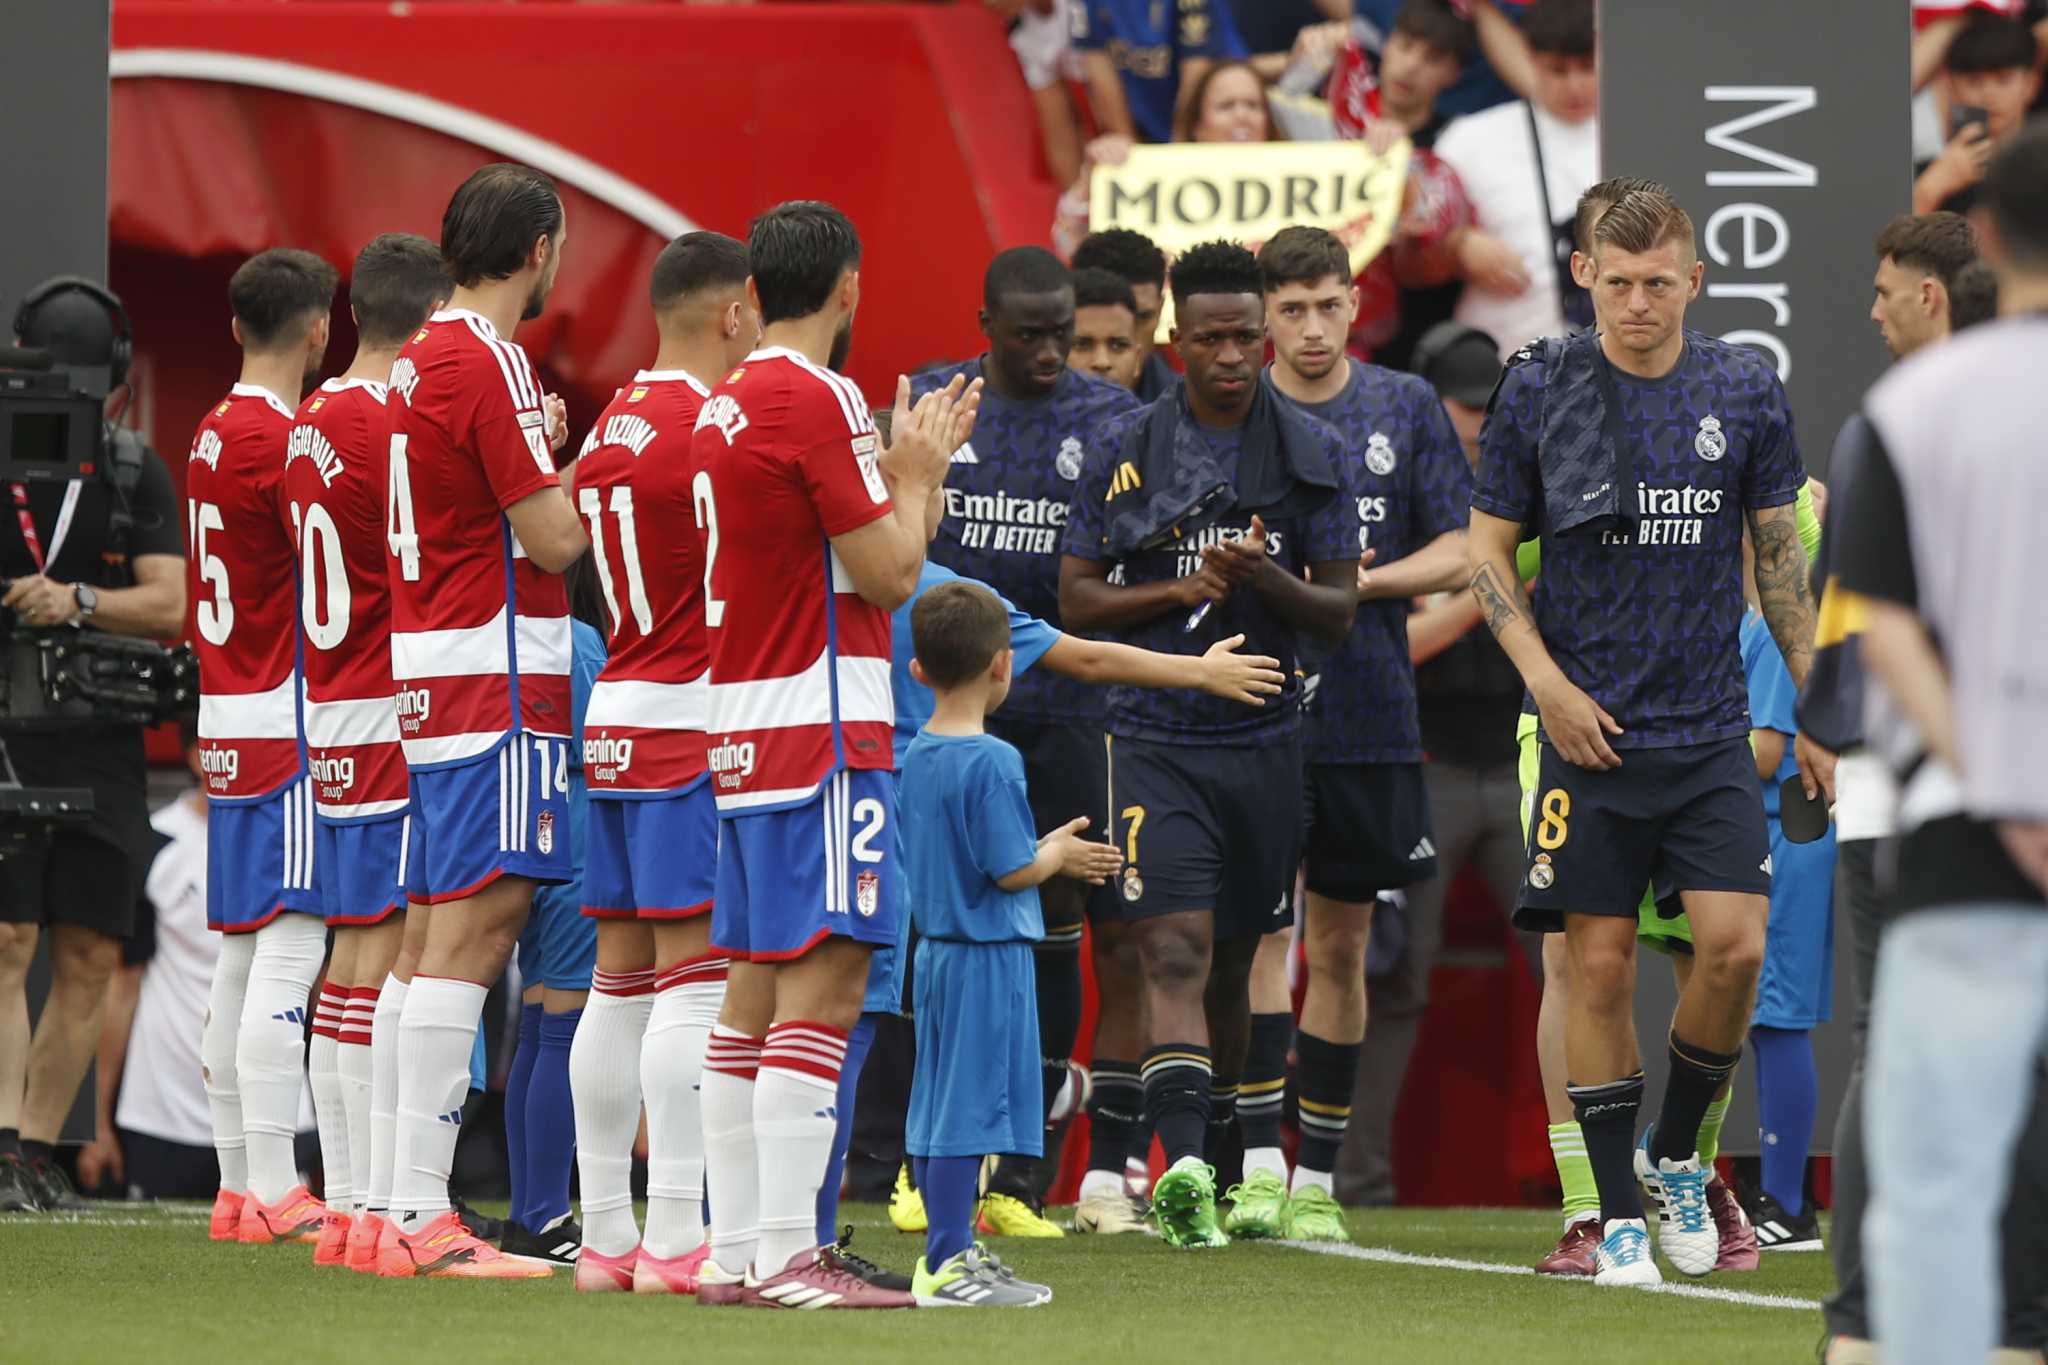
(335, 475)
(239, 582)
(480, 644)
(636, 489)
(799, 663)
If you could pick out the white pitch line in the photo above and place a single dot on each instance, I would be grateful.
(1388, 1256)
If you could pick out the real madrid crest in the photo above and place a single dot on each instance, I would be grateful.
(1134, 885)
(1542, 874)
(1379, 454)
(1068, 461)
(1709, 443)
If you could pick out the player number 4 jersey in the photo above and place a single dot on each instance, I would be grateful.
(240, 567)
(799, 663)
(335, 476)
(480, 644)
(637, 488)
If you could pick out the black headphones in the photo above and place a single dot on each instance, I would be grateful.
(120, 352)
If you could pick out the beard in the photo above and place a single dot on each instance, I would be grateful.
(536, 302)
(842, 345)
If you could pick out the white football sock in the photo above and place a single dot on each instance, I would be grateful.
(731, 1160)
(1098, 1182)
(270, 1049)
(604, 1083)
(384, 1091)
(1270, 1159)
(436, 1035)
(330, 1109)
(352, 1063)
(1304, 1177)
(217, 1058)
(671, 1071)
(794, 1101)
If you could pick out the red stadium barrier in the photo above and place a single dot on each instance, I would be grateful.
(240, 125)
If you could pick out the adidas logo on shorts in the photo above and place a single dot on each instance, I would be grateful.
(1422, 851)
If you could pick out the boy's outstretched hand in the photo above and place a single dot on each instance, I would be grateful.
(1092, 863)
(1248, 678)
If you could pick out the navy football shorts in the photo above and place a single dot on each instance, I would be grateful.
(1686, 818)
(1208, 827)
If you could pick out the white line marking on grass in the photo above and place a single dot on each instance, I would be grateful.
(1388, 1256)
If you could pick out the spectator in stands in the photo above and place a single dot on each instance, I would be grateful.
(1106, 328)
(1989, 79)
(1142, 58)
(1483, 80)
(1041, 34)
(1138, 261)
(1523, 166)
(1381, 90)
(1468, 696)
(1226, 103)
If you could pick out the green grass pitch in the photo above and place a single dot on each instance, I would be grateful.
(143, 1283)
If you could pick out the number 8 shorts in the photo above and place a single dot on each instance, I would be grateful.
(1686, 818)
(788, 879)
(504, 812)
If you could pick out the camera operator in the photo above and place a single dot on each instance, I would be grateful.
(101, 551)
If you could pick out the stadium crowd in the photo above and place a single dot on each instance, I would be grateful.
(790, 752)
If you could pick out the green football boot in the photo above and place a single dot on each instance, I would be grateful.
(1184, 1201)
(1313, 1216)
(1258, 1207)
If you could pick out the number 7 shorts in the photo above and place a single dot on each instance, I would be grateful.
(788, 879)
(505, 812)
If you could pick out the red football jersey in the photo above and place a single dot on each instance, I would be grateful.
(479, 636)
(240, 569)
(799, 663)
(644, 729)
(336, 465)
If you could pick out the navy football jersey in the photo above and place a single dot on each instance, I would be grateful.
(1006, 505)
(1184, 716)
(1649, 622)
(1406, 475)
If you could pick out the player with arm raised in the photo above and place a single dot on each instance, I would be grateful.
(479, 532)
(1631, 653)
(806, 552)
(260, 831)
(336, 472)
(653, 842)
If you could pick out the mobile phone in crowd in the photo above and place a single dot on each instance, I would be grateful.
(1961, 116)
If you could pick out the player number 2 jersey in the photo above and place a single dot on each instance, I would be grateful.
(239, 582)
(480, 644)
(636, 487)
(336, 469)
(799, 663)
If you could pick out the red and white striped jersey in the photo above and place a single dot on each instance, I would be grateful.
(240, 569)
(479, 636)
(644, 730)
(336, 466)
(799, 663)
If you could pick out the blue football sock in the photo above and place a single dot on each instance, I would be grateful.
(949, 1184)
(859, 1039)
(550, 1123)
(515, 1106)
(1787, 1094)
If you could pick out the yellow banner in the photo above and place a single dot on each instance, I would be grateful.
(1190, 192)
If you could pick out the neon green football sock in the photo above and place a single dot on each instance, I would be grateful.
(1574, 1170)
(1710, 1130)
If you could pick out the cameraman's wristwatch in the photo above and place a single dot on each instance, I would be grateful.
(88, 601)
